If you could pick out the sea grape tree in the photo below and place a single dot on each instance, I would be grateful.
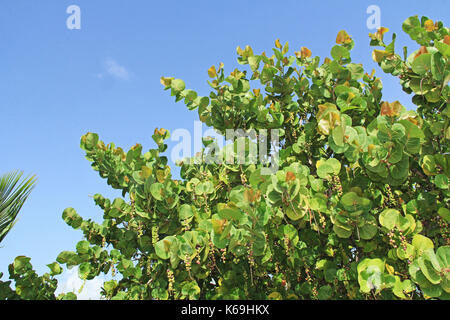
(358, 207)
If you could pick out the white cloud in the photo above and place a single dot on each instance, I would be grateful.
(70, 282)
(114, 69)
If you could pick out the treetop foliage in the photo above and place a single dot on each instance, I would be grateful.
(358, 208)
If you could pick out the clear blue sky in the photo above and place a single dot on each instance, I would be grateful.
(56, 84)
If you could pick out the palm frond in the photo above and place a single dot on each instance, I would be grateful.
(13, 194)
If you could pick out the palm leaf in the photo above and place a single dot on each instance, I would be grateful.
(13, 194)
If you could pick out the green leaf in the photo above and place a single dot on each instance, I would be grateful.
(230, 212)
(191, 290)
(437, 66)
(338, 136)
(427, 269)
(206, 187)
(354, 203)
(71, 217)
(219, 241)
(443, 48)
(420, 87)
(69, 296)
(145, 243)
(443, 256)
(429, 165)
(84, 270)
(370, 274)
(337, 149)
(330, 272)
(83, 247)
(400, 287)
(410, 25)
(190, 95)
(178, 85)
(327, 167)
(324, 170)
(89, 141)
(341, 232)
(162, 247)
(421, 243)
(67, 257)
(432, 291)
(369, 229)
(340, 52)
(157, 190)
(325, 292)
(407, 254)
(316, 184)
(422, 64)
(290, 231)
(253, 62)
(402, 223)
(275, 296)
(55, 268)
(109, 286)
(445, 214)
(335, 165)
(441, 181)
(319, 203)
(21, 264)
(356, 70)
(434, 95)
(185, 212)
(430, 256)
(295, 213)
(412, 130)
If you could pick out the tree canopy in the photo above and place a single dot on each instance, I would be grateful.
(356, 209)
